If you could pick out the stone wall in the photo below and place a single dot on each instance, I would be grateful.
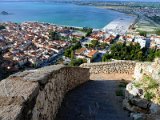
(37, 94)
(116, 70)
(120, 67)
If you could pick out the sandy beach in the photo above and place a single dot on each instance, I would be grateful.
(120, 25)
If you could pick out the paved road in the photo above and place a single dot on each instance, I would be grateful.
(94, 100)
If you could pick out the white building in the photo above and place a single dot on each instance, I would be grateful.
(155, 42)
(140, 40)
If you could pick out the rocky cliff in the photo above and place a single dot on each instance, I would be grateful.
(142, 97)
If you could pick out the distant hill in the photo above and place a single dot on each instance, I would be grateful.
(4, 13)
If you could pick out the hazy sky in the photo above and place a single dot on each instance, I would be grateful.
(88, 0)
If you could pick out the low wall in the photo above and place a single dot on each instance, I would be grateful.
(37, 94)
(121, 67)
(116, 70)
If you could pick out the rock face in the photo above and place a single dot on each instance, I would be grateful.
(154, 108)
(37, 94)
(135, 96)
(149, 68)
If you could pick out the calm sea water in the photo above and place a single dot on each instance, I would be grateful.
(57, 13)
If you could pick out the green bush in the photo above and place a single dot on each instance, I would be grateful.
(151, 82)
(142, 33)
(149, 86)
(157, 31)
(122, 51)
(137, 85)
(76, 62)
(149, 95)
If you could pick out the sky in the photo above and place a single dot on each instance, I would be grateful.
(88, 0)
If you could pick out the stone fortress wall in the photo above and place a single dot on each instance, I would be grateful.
(120, 67)
(115, 70)
(37, 94)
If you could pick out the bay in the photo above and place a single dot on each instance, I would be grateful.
(58, 13)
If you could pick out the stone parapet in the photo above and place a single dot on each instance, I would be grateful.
(120, 67)
(37, 94)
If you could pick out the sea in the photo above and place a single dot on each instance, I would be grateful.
(58, 13)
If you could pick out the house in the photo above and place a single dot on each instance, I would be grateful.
(129, 38)
(155, 42)
(78, 34)
(109, 39)
(80, 51)
(141, 40)
(92, 54)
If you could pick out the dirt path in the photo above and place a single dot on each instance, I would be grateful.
(94, 100)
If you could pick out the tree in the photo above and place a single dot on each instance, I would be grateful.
(76, 62)
(157, 53)
(86, 45)
(87, 30)
(76, 46)
(106, 57)
(70, 51)
(54, 35)
(103, 59)
(140, 55)
(94, 43)
(103, 45)
(151, 55)
(143, 33)
(74, 40)
(2, 27)
(158, 32)
(72, 55)
(121, 51)
(82, 37)
(67, 53)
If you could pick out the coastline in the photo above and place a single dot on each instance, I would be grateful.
(82, 16)
(121, 25)
(126, 13)
(53, 22)
(142, 23)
